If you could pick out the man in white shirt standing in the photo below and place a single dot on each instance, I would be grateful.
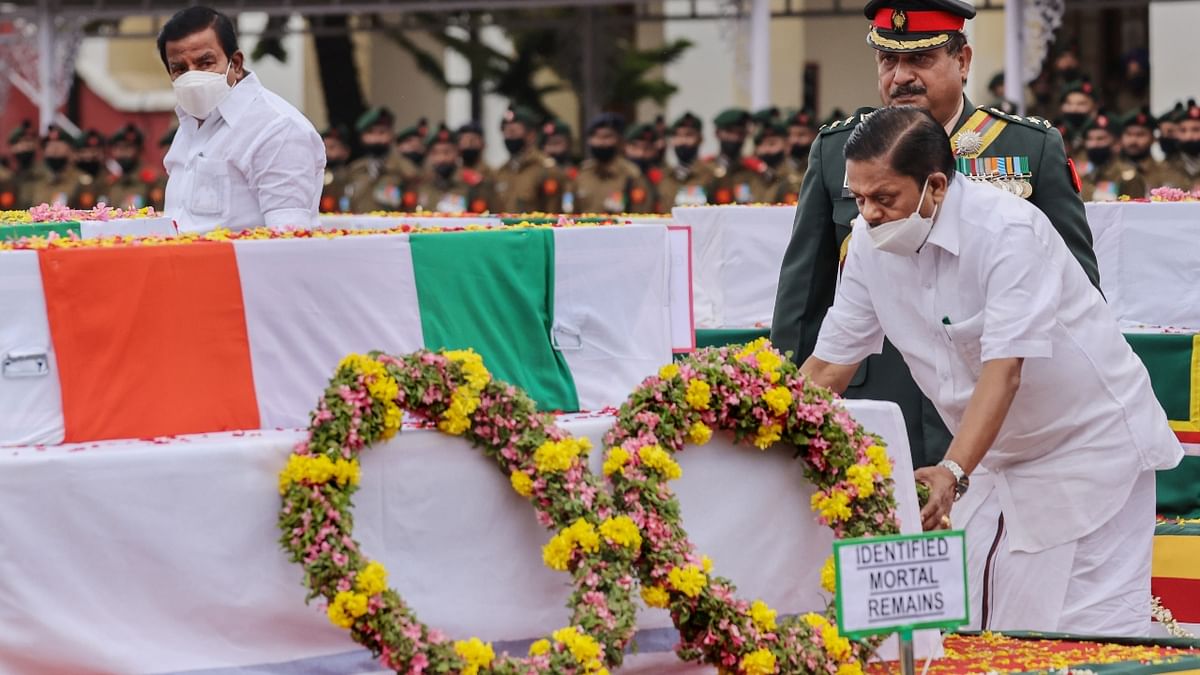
(243, 157)
(1023, 360)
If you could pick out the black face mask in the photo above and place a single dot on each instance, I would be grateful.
(377, 150)
(1075, 118)
(128, 164)
(686, 154)
(731, 149)
(603, 153)
(800, 152)
(1169, 145)
(24, 159)
(470, 156)
(562, 158)
(56, 164)
(334, 163)
(772, 159)
(444, 169)
(514, 145)
(91, 167)
(1136, 157)
(1190, 147)
(1099, 156)
(643, 163)
(414, 157)
(1069, 74)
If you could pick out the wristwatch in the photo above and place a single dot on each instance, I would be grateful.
(962, 480)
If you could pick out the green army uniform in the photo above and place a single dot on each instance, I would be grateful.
(1115, 177)
(24, 178)
(379, 182)
(334, 195)
(734, 178)
(686, 183)
(617, 186)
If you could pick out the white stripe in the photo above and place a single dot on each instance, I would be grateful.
(309, 302)
(30, 407)
(1192, 449)
(612, 318)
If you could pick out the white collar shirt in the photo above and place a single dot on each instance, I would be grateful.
(256, 161)
(994, 280)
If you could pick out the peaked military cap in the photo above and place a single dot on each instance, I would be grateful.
(642, 132)
(373, 116)
(915, 25)
(606, 120)
(1140, 117)
(128, 134)
(688, 121)
(731, 117)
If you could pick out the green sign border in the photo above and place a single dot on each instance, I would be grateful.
(905, 630)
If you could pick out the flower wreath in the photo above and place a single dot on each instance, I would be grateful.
(363, 405)
(762, 398)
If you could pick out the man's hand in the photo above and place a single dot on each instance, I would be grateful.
(942, 489)
(835, 377)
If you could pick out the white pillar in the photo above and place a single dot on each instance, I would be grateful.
(760, 53)
(1014, 53)
(45, 48)
(1174, 52)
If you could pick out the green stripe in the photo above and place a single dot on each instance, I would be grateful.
(1177, 529)
(1168, 359)
(8, 232)
(1179, 490)
(494, 292)
(721, 337)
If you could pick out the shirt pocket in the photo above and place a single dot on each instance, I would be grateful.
(965, 339)
(210, 187)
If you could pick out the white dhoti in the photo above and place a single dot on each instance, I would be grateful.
(1095, 585)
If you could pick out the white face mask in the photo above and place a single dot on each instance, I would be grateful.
(199, 92)
(907, 235)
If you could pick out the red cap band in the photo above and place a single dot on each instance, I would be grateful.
(918, 22)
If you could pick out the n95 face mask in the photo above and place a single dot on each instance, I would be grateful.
(199, 92)
(906, 235)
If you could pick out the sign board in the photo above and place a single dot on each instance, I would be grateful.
(901, 583)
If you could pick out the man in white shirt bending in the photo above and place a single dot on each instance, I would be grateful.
(1053, 417)
(243, 157)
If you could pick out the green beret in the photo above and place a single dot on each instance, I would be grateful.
(441, 135)
(373, 116)
(996, 81)
(606, 120)
(168, 137)
(802, 118)
(768, 130)
(1083, 86)
(555, 127)
(1175, 114)
(409, 132)
(731, 118)
(337, 132)
(1140, 117)
(92, 139)
(26, 130)
(766, 115)
(128, 134)
(689, 121)
(57, 133)
(1103, 121)
(642, 132)
(519, 113)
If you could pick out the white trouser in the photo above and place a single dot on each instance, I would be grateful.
(1096, 585)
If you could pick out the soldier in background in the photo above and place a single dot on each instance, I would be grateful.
(609, 183)
(775, 184)
(1187, 161)
(471, 148)
(733, 176)
(23, 144)
(1137, 137)
(802, 131)
(334, 195)
(1076, 106)
(377, 180)
(410, 144)
(158, 191)
(999, 100)
(1110, 177)
(641, 148)
(1168, 131)
(60, 184)
(94, 176)
(448, 187)
(130, 187)
(687, 183)
(529, 182)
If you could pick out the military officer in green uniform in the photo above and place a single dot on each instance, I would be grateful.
(687, 183)
(334, 195)
(381, 178)
(1109, 176)
(922, 60)
(1137, 137)
(447, 186)
(733, 176)
(609, 183)
(641, 148)
(774, 182)
(128, 189)
(60, 184)
(802, 131)
(1187, 161)
(23, 144)
(529, 181)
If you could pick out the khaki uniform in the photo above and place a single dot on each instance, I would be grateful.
(8, 190)
(93, 189)
(1179, 166)
(686, 185)
(795, 170)
(380, 185)
(465, 191)
(1118, 178)
(777, 186)
(131, 191)
(615, 187)
(23, 186)
(63, 188)
(733, 183)
(531, 183)
(1160, 174)
(334, 195)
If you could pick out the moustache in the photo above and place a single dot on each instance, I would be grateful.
(907, 90)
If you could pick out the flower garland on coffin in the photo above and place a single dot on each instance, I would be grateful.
(57, 213)
(760, 396)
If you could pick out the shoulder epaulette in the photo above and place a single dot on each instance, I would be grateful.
(848, 123)
(1034, 122)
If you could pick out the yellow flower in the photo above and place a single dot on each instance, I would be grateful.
(837, 646)
(583, 533)
(668, 371)
(778, 399)
(522, 483)
(383, 387)
(656, 458)
(699, 433)
(763, 616)
(878, 456)
(622, 531)
(476, 374)
(553, 456)
(698, 395)
(829, 575)
(751, 348)
(346, 607)
(655, 596)
(477, 653)
(767, 435)
(392, 418)
(454, 423)
(318, 470)
(540, 647)
(689, 580)
(582, 646)
(852, 668)
(759, 662)
(706, 564)
(815, 620)
(862, 477)
(372, 580)
(768, 362)
(557, 552)
(615, 462)
(834, 506)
